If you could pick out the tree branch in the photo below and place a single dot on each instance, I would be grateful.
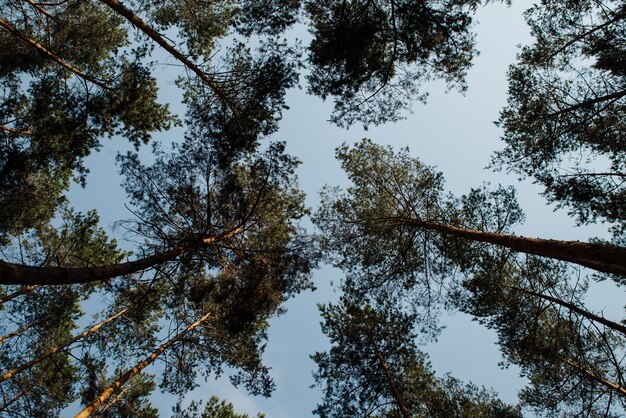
(613, 325)
(7, 375)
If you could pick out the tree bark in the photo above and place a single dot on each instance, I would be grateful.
(14, 333)
(9, 374)
(113, 401)
(591, 375)
(613, 325)
(108, 392)
(22, 291)
(19, 35)
(395, 392)
(29, 275)
(604, 258)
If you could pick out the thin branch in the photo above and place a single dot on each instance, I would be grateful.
(591, 375)
(613, 325)
(40, 9)
(613, 97)
(14, 333)
(577, 38)
(23, 291)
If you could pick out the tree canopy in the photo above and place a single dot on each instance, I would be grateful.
(95, 320)
(399, 237)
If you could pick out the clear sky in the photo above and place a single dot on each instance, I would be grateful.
(452, 132)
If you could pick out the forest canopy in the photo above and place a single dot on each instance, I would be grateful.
(97, 320)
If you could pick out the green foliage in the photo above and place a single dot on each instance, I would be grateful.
(49, 315)
(372, 56)
(255, 84)
(55, 117)
(198, 24)
(270, 17)
(92, 77)
(215, 408)
(185, 196)
(46, 388)
(219, 215)
(564, 122)
(390, 233)
(372, 232)
(362, 212)
(546, 339)
(77, 242)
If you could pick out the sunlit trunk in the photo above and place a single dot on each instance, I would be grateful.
(108, 392)
(9, 374)
(604, 258)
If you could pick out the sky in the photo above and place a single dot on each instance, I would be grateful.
(453, 132)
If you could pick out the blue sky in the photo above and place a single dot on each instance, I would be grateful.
(452, 132)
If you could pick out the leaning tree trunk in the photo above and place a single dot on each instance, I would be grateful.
(593, 317)
(9, 374)
(140, 24)
(125, 378)
(393, 387)
(593, 376)
(23, 291)
(29, 275)
(604, 258)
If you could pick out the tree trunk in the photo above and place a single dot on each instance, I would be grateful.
(613, 325)
(46, 276)
(22, 291)
(30, 275)
(604, 258)
(108, 392)
(591, 375)
(113, 401)
(58, 348)
(136, 21)
(395, 392)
